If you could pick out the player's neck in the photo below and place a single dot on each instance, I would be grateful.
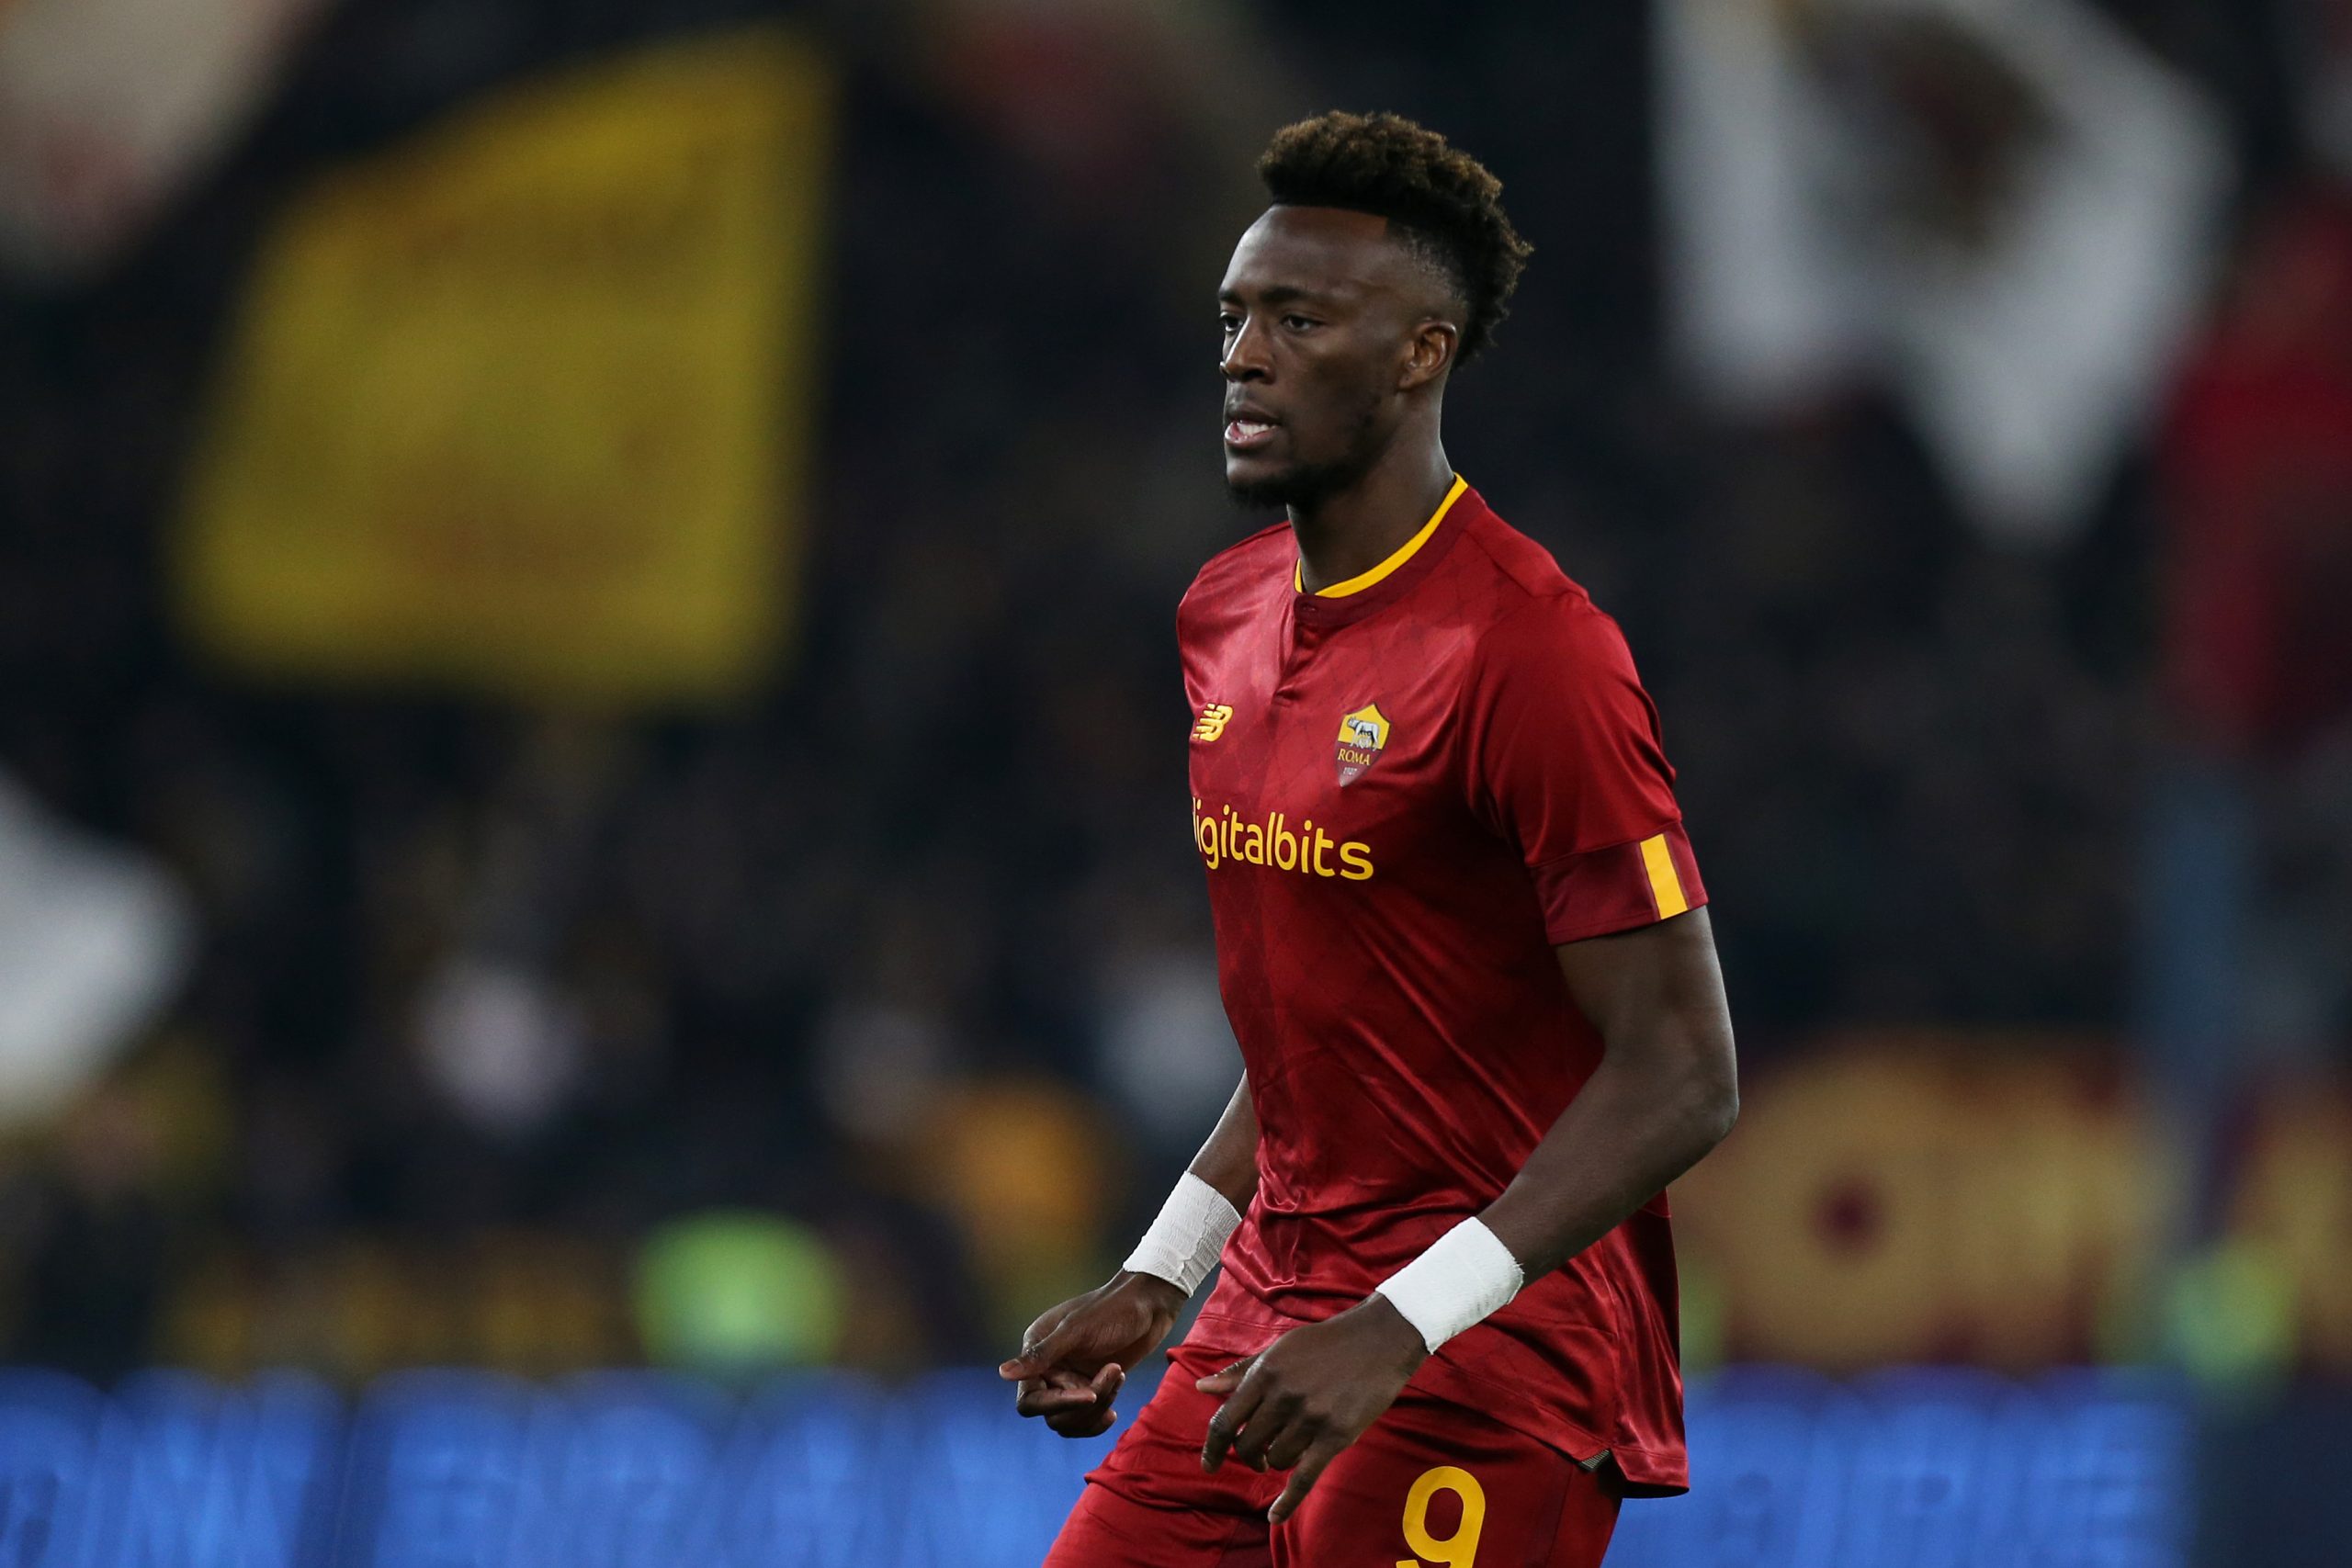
(1348, 534)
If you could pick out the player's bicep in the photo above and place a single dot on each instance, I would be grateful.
(1656, 995)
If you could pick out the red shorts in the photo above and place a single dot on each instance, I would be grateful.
(1431, 1481)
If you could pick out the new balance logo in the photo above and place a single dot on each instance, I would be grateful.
(1211, 722)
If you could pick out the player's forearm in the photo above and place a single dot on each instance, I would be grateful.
(1228, 1161)
(1641, 1121)
(1187, 1238)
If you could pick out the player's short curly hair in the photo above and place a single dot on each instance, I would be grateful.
(1443, 200)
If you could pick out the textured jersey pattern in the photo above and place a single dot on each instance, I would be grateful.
(1403, 798)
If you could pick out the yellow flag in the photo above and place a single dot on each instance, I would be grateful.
(523, 406)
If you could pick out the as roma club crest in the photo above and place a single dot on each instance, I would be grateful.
(1361, 735)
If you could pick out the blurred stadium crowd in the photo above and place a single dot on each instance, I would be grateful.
(536, 1034)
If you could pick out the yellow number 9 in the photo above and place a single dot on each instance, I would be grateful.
(1461, 1548)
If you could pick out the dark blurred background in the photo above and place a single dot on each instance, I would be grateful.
(589, 745)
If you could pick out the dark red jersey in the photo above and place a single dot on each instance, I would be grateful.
(1406, 789)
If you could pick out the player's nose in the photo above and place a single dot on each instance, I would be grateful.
(1245, 358)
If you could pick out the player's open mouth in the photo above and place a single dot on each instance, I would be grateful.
(1248, 434)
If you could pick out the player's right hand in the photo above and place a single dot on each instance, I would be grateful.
(1076, 1356)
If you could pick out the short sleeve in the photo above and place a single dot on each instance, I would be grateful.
(1565, 762)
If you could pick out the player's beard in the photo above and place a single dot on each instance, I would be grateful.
(1305, 486)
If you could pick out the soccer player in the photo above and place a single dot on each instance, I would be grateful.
(1460, 938)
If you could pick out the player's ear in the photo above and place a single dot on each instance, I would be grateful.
(1428, 354)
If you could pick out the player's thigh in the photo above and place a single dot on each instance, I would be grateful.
(1149, 1505)
(1436, 1484)
(1107, 1529)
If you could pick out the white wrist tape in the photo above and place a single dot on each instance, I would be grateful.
(1466, 1274)
(1188, 1238)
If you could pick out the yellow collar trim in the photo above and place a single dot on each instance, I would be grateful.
(1363, 581)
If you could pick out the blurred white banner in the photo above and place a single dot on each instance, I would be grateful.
(107, 107)
(2005, 209)
(93, 938)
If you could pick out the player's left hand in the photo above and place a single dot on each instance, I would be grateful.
(1296, 1403)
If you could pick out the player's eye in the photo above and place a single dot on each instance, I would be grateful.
(1300, 323)
(1228, 322)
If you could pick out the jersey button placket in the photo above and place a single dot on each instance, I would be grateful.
(1306, 634)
